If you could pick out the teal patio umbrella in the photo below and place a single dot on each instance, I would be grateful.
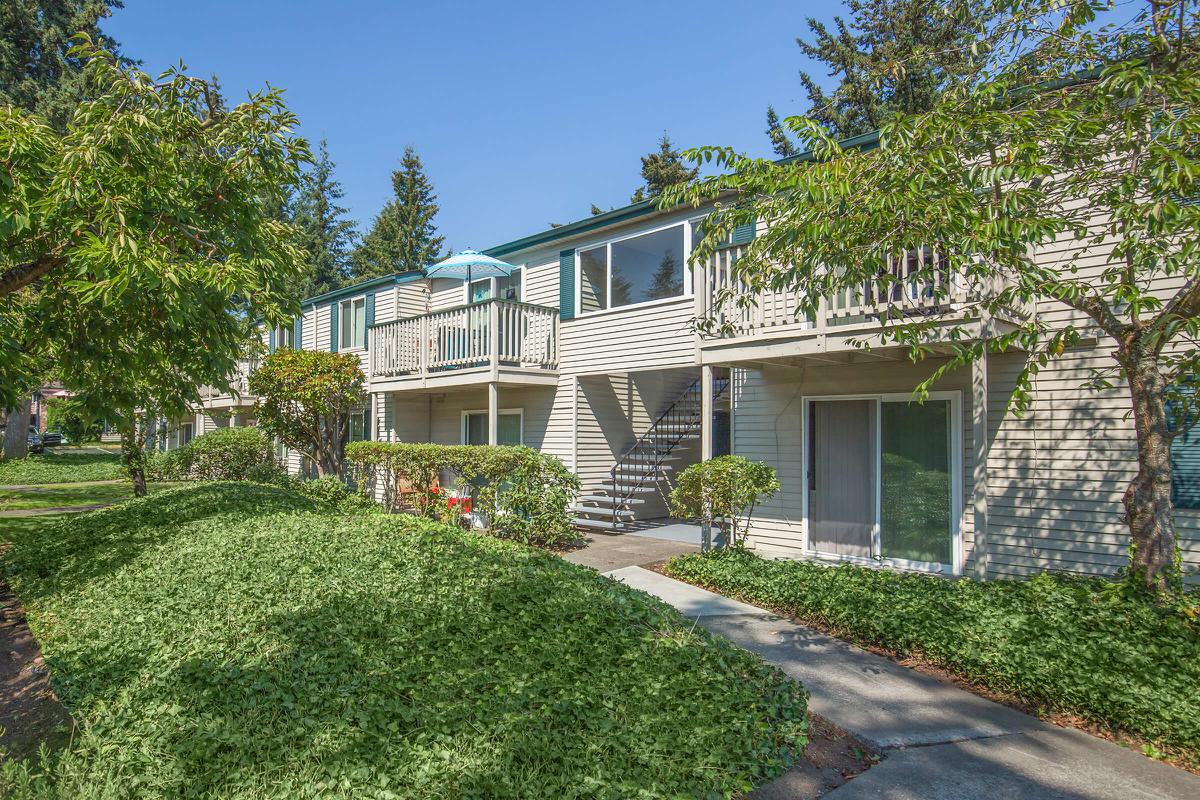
(468, 265)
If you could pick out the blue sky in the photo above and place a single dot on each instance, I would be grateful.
(525, 113)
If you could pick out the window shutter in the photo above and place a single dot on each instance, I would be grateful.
(1185, 465)
(333, 327)
(298, 333)
(271, 340)
(566, 284)
(370, 318)
(743, 233)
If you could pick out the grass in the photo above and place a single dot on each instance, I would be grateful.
(59, 468)
(69, 494)
(238, 641)
(1090, 648)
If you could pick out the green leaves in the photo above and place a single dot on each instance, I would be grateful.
(231, 640)
(723, 488)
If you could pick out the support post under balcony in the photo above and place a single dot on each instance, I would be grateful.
(706, 412)
(493, 413)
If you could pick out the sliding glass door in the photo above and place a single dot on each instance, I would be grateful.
(881, 479)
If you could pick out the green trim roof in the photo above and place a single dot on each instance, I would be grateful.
(362, 286)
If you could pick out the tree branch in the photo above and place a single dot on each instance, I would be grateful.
(22, 275)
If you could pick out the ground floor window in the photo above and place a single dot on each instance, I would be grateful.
(186, 432)
(882, 478)
(360, 425)
(509, 427)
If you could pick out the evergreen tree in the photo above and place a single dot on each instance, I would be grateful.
(37, 73)
(780, 142)
(667, 280)
(661, 169)
(403, 236)
(327, 235)
(891, 57)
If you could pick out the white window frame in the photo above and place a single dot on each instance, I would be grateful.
(492, 287)
(607, 245)
(520, 412)
(956, 483)
(346, 311)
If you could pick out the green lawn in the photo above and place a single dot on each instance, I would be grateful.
(1096, 649)
(238, 641)
(69, 494)
(59, 468)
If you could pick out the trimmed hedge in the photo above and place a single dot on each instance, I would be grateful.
(1098, 649)
(520, 494)
(226, 454)
(232, 640)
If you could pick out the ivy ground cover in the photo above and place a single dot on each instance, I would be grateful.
(236, 640)
(1096, 649)
(60, 467)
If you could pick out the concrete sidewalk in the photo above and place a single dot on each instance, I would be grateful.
(940, 742)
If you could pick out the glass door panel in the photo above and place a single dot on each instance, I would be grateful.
(841, 477)
(915, 465)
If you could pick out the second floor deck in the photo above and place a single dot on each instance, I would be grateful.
(238, 394)
(494, 341)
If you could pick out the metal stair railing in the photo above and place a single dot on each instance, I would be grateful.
(642, 460)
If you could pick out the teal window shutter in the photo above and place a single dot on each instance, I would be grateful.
(370, 318)
(333, 327)
(298, 333)
(743, 233)
(566, 284)
(271, 340)
(1185, 464)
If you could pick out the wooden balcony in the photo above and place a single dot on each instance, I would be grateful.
(496, 341)
(772, 323)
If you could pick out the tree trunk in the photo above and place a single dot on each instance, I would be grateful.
(15, 443)
(133, 455)
(1148, 510)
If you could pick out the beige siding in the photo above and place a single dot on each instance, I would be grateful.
(541, 283)
(411, 299)
(652, 337)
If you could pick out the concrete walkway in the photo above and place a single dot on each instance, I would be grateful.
(940, 742)
(610, 551)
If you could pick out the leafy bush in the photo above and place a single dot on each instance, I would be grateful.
(60, 468)
(1097, 649)
(230, 640)
(519, 493)
(723, 490)
(226, 454)
(331, 491)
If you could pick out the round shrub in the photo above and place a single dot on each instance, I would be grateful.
(227, 454)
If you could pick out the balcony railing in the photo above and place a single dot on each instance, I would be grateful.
(239, 384)
(492, 333)
(916, 282)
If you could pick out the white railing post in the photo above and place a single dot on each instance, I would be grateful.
(423, 346)
(494, 336)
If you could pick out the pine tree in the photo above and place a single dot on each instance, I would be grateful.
(36, 71)
(780, 142)
(891, 57)
(403, 236)
(661, 169)
(328, 236)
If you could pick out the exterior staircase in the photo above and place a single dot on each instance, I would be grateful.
(637, 475)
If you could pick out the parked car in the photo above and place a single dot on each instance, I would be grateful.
(33, 442)
(52, 438)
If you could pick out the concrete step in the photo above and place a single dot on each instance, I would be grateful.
(625, 487)
(608, 499)
(599, 524)
(604, 512)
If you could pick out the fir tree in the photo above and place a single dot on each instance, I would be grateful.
(780, 142)
(327, 235)
(661, 169)
(891, 57)
(37, 73)
(403, 236)
(667, 280)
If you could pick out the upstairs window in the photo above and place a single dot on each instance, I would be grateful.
(352, 316)
(636, 269)
(500, 288)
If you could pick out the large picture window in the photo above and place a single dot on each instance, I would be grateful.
(637, 269)
(353, 319)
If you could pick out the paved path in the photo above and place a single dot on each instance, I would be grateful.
(609, 551)
(941, 742)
